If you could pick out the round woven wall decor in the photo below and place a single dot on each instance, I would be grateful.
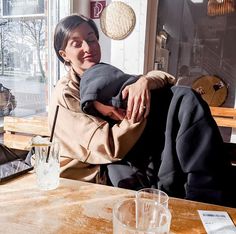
(117, 20)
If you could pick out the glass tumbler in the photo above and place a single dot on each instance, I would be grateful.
(47, 165)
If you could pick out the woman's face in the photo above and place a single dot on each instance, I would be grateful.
(82, 49)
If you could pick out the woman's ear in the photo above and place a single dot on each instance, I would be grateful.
(63, 54)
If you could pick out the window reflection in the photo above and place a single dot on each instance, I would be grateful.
(201, 46)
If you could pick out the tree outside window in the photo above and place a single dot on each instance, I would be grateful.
(23, 58)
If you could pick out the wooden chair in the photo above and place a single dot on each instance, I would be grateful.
(18, 131)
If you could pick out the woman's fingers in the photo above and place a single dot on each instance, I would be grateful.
(118, 114)
(130, 109)
(125, 92)
(110, 111)
(138, 99)
(147, 104)
(141, 109)
(135, 111)
(138, 107)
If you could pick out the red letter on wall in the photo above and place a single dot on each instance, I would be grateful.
(96, 8)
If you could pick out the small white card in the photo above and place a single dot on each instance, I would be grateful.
(217, 222)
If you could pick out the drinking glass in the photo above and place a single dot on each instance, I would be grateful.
(47, 166)
(128, 218)
(153, 194)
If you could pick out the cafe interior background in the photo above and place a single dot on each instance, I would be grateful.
(193, 40)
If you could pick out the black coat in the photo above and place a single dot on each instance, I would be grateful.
(180, 152)
(195, 164)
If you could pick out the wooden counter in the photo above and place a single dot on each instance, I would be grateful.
(78, 207)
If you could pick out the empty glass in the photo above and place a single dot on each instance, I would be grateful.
(148, 217)
(47, 172)
(153, 194)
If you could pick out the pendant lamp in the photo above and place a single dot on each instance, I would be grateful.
(220, 7)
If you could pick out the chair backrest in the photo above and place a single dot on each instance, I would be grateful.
(224, 116)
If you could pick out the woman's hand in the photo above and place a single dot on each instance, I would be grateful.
(110, 111)
(139, 97)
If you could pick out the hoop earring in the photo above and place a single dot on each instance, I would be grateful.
(66, 65)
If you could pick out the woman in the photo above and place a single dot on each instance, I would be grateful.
(175, 145)
(87, 141)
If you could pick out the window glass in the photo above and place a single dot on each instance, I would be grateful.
(28, 65)
(23, 58)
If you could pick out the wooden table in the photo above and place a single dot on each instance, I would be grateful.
(78, 207)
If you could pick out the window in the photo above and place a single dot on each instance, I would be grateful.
(199, 47)
(27, 61)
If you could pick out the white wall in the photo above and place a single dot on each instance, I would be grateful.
(83, 7)
(127, 54)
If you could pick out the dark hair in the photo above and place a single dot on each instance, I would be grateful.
(65, 26)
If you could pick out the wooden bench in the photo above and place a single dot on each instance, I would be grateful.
(18, 131)
(224, 116)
